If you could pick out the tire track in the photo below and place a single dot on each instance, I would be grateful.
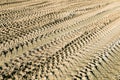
(60, 40)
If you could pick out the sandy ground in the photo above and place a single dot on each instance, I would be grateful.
(59, 40)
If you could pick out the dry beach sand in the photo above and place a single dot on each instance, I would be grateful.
(59, 40)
